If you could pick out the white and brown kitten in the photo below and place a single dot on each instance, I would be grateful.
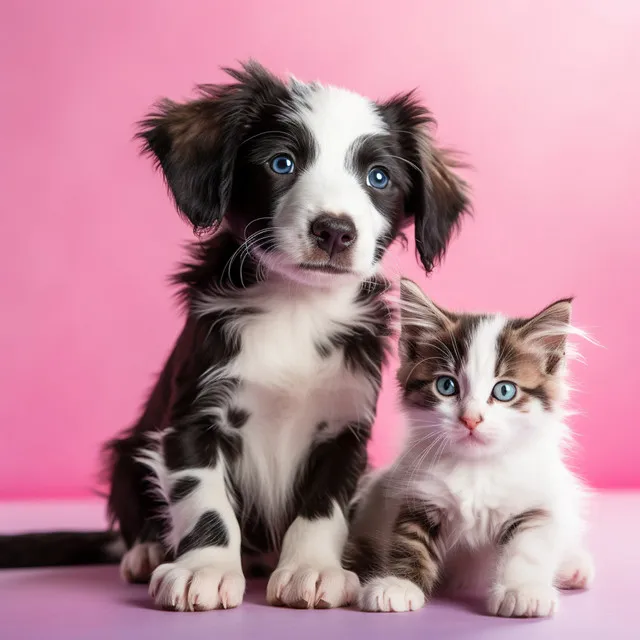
(481, 496)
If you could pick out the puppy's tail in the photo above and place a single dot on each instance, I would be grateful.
(59, 549)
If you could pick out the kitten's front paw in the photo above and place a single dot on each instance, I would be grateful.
(180, 589)
(524, 601)
(576, 572)
(308, 587)
(391, 594)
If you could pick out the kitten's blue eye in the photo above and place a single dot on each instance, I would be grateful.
(282, 164)
(378, 178)
(504, 391)
(447, 386)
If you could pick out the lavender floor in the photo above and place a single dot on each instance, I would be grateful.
(91, 603)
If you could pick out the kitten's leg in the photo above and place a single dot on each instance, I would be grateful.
(413, 566)
(576, 570)
(310, 572)
(203, 532)
(528, 559)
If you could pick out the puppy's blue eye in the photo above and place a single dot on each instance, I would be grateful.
(378, 178)
(282, 164)
(504, 391)
(447, 386)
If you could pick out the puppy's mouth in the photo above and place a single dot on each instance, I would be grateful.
(324, 268)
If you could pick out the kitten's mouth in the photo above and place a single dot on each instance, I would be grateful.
(472, 439)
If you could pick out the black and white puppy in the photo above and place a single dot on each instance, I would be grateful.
(255, 435)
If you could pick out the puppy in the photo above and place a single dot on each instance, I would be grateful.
(255, 435)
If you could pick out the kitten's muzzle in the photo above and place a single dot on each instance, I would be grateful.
(471, 421)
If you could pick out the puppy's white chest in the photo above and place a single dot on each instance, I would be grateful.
(294, 394)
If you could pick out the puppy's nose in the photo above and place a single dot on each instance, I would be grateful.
(333, 234)
(471, 421)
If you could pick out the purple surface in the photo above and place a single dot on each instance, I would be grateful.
(91, 602)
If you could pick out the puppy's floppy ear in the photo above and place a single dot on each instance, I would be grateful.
(437, 197)
(196, 143)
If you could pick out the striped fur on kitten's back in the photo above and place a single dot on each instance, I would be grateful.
(481, 495)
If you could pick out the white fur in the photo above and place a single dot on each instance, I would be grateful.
(205, 578)
(516, 464)
(310, 573)
(200, 580)
(478, 378)
(336, 118)
(288, 388)
(389, 593)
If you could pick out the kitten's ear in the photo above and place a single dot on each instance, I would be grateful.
(437, 197)
(417, 310)
(549, 329)
(419, 318)
(196, 143)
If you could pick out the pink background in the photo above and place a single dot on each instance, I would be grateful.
(543, 96)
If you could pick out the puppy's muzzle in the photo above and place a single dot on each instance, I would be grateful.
(332, 233)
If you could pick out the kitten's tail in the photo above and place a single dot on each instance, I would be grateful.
(60, 548)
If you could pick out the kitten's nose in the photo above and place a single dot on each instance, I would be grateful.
(471, 421)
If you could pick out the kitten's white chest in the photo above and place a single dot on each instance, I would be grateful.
(477, 499)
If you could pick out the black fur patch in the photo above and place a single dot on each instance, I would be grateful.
(196, 143)
(383, 151)
(209, 531)
(57, 549)
(366, 348)
(437, 198)
(332, 472)
(183, 487)
(236, 417)
(257, 571)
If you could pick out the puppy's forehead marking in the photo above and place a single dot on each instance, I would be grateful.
(337, 117)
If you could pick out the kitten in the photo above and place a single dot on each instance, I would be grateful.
(481, 496)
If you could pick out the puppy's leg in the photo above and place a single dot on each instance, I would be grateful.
(528, 560)
(139, 562)
(203, 533)
(310, 572)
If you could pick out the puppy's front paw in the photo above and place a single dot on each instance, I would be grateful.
(523, 601)
(576, 572)
(180, 589)
(309, 587)
(139, 562)
(391, 594)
